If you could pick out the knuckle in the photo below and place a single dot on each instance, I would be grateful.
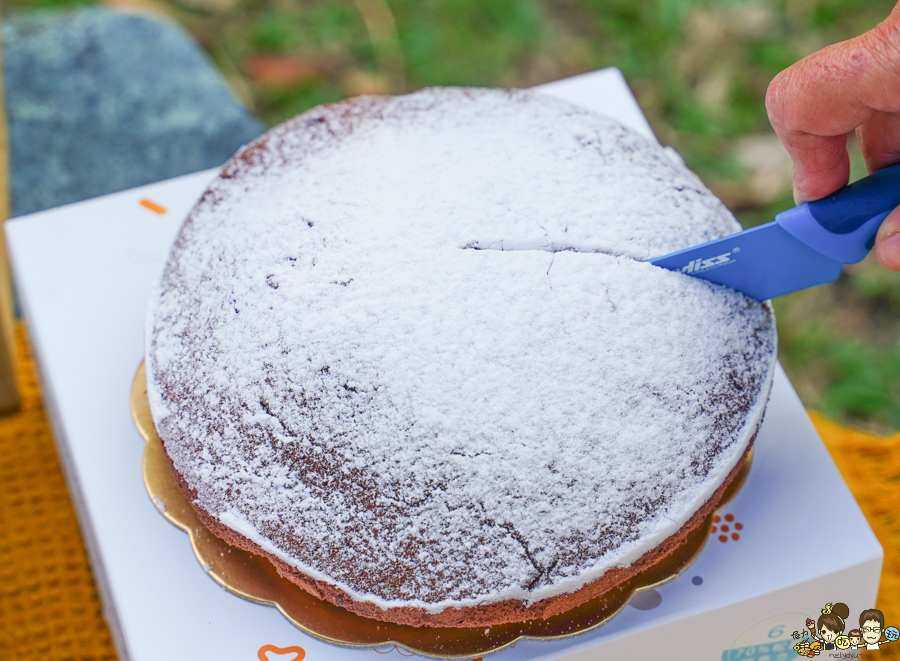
(883, 42)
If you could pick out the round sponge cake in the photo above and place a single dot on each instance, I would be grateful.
(408, 349)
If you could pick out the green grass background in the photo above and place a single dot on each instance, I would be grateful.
(699, 69)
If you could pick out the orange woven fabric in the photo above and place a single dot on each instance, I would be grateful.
(870, 465)
(48, 603)
(49, 606)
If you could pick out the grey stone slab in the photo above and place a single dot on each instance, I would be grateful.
(99, 101)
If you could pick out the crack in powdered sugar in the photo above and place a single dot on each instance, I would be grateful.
(358, 357)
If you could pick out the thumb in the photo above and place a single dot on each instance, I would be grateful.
(887, 241)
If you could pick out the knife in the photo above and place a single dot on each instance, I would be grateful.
(803, 247)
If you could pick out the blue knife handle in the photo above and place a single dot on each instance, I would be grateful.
(843, 226)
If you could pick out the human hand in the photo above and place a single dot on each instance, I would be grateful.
(815, 103)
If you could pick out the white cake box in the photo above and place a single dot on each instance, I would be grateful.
(84, 273)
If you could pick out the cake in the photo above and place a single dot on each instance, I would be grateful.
(408, 348)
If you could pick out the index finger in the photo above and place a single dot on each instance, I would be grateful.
(815, 103)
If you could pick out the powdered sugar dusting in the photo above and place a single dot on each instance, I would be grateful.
(404, 344)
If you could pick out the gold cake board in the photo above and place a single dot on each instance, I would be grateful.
(255, 578)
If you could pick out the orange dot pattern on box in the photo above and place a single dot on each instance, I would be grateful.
(727, 529)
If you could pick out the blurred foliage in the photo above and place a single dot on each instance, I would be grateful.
(699, 69)
(840, 346)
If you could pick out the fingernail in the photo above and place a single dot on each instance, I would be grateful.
(888, 251)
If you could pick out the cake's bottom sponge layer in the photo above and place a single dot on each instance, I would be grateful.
(658, 564)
